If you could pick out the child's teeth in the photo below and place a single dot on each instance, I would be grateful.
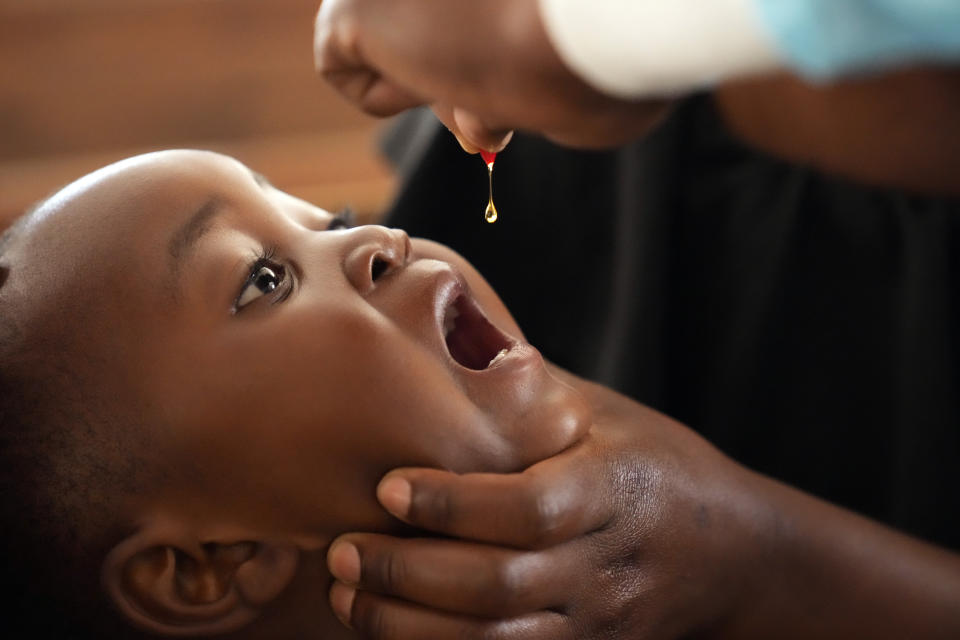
(498, 357)
(450, 320)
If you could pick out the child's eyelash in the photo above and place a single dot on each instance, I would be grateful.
(344, 219)
(266, 257)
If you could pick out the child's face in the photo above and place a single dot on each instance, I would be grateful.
(283, 367)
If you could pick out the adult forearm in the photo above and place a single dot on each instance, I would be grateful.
(824, 572)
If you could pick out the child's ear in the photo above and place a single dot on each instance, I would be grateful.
(167, 583)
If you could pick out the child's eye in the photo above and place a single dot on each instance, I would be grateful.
(265, 278)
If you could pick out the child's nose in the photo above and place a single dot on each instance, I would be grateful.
(375, 252)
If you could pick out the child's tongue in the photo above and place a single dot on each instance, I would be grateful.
(471, 339)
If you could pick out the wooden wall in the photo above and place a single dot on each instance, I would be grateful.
(87, 82)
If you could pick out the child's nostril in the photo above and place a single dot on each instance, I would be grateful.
(377, 268)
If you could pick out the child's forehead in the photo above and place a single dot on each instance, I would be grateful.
(95, 252)
(145, 191)
(154, 177)
(115, 218)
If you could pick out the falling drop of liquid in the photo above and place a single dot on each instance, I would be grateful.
(490, 215)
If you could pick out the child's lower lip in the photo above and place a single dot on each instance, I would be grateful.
(515, 355)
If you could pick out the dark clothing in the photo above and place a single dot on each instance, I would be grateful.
(807, 325)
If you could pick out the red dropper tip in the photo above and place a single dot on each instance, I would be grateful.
(488, 156)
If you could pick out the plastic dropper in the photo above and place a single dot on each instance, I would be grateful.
(490, 215)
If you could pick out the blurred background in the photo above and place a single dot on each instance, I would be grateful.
(86, 82)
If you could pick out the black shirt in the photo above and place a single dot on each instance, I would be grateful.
(807, 325)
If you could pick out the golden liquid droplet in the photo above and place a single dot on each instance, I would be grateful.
(490, 215)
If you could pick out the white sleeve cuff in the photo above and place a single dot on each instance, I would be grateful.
(640, 48)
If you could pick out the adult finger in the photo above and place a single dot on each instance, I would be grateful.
(550, 502)
(455, 576)
(479, 132)
(444, 114)
(380, 618)
(338, 58)
(476, 136)
(371, 92)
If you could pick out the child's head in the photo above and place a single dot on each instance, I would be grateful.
(203, 378)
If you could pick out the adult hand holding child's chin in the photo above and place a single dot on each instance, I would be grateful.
(640, 530)
(484, 67)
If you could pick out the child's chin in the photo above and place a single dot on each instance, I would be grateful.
(557, 421)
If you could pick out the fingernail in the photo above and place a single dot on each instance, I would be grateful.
(394, 494)
(341, 600)
(344, 562)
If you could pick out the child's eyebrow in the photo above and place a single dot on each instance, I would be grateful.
(185, 239)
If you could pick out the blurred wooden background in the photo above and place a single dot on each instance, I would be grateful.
(87, 82)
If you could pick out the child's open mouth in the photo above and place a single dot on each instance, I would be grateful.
(471, 339)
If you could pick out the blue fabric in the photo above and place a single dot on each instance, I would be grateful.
(823, 39)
